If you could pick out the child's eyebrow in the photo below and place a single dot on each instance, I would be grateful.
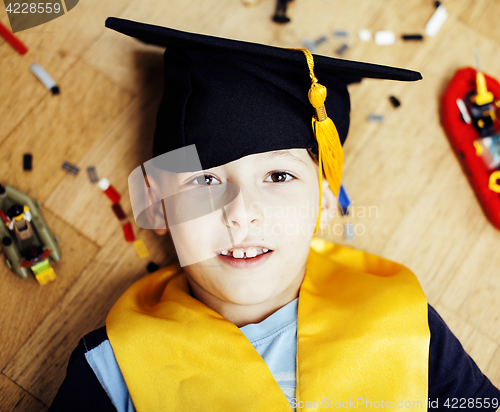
(284, 153)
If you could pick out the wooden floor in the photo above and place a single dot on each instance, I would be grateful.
(412, 203)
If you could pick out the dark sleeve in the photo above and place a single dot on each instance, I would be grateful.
(81, 390)
(454, 378)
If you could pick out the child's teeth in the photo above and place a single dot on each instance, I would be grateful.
(238, 253)
(251, 252)
(241, 253)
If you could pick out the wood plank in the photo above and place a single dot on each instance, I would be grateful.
(57, 46)
(40, 364)
(14, 398)
(126, 145)
(479, 16)
(24, 303)
(61, 128)
(478, 267)
(481, 304)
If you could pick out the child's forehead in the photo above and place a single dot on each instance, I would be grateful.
(298, 157)
(295, 155)
(291, 158)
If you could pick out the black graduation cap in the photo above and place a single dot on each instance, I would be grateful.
(232, 98)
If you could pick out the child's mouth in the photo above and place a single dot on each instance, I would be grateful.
(245, 257)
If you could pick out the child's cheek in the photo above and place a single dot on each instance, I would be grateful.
(196, 240)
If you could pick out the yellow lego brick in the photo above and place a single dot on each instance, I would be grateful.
(141, 249)
(46, 276)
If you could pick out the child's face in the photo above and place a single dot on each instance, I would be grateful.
(276, 209)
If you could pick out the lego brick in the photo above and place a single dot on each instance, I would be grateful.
(341, 33)
(141, 249)
(436, 21)
(376, 118)
(152, 267)
(45, 78)
(109, 190)
(27, 161)
(92, 174)
(71, 168)
(407, 37)
(385, 37)
(341, 50)
(394, 101)
(118, 211)
(365, 35)
(128, 231)
(344, 201)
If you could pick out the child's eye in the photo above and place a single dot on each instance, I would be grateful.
(279, 176)
(204, 180)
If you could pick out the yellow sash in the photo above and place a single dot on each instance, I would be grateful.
(362, 342)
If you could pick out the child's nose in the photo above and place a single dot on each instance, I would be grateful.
(240, 214)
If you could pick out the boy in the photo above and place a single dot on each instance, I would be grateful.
(259, 315)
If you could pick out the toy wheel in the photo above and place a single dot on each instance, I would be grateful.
(7, 262)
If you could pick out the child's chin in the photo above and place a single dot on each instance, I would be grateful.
(246, 298)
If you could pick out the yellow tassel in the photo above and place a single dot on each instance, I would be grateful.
(331, 154)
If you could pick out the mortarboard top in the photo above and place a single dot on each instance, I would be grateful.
(232, 98)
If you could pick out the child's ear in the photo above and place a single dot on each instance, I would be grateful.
(155, 214)
(328, 204)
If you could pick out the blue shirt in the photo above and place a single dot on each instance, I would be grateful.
(275, 339)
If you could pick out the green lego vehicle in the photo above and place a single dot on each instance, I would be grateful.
(26, 240)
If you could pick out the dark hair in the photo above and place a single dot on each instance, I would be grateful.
(313, 156)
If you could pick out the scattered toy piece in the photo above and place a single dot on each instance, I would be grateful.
(463, 111)
(109, 190)
(10, 38)
(344, 201)
(437, 4)
(45, 78)
(320, 40)
(4, 218)
(365, 35)
(152, 267)
(92, 174)
(309, 45)
(141, 249)
(341, 50)
(407, 37)
(27, 161)
(118, 210)
(385, 38)
(349, 231)
(395, 102)
(128, 230)
(280, 14)
(376, 118)
(436, 21)
(71, 168)
(44, 273)
(341, 33)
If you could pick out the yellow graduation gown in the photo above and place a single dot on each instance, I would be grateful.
(362, 342)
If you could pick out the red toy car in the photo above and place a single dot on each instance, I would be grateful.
(469, 108)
